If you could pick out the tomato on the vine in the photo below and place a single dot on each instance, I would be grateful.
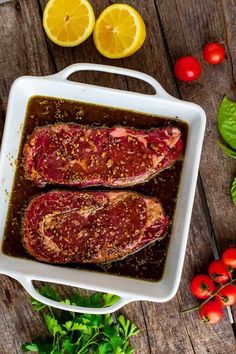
(187, 68)
(214, 53)
(202, 286)
(229, 257)
(211, 312)
(227, 296)
(218, 271)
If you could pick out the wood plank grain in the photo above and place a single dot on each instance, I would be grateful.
(162, 320)
(156, 64)
(219, 338)
(229, 15)
(21, 53)
(18, 324)
(45, 65)
(197, 23)
(188, 26)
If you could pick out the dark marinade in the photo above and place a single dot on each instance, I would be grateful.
(146, 264)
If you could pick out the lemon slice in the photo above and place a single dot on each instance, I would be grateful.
(68, 22)
(119, 31)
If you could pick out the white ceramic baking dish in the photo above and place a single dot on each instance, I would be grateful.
(162, 104)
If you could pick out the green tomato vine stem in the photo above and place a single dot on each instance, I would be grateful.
(209, 298)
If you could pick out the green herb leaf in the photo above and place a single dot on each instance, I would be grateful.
(50, 293)
(37, 305)
(110, 299)
(108, 320)
(233, 191)
(129, 350)
(72, 333)
(128, 328)
(40, 348)
(95, 300)
(116, 341)
(227, 121)
(68, 347)
(30, 347)
(46, 348)
(53, 325)
(227, 151)
(81, 327)
(68, 325)
(105, 348)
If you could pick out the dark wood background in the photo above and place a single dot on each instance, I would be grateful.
(174, 28)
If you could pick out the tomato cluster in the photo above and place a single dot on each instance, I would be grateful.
(218, 288)
(188, 68)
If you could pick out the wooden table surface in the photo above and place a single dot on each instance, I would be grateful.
(174, 28)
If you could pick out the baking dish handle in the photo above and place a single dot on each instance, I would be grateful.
(26, 282)
(65, 73)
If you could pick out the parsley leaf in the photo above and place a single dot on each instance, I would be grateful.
(53, 325)
(30, 347)
(110, 299)
(73, 333)
(128, 328)
(105, 348)
(68, 347)
(50, 293)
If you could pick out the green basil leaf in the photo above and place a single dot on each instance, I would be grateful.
(30, 347)
(227, 151)
(233, 191)
(227, 121)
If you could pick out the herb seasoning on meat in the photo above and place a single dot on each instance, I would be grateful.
(148, 263)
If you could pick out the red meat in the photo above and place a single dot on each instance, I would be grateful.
(76, 155)
(91, 227)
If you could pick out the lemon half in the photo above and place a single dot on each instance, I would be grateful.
(68, 22)
(119, 31)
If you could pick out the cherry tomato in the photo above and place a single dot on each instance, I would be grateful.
(211, 312)
(187, 68)
(227, 296)
(202, 286)
(229, 257)
(214, 53)
(218, 271)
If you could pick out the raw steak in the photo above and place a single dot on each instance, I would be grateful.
(91, 227)
(77, 155)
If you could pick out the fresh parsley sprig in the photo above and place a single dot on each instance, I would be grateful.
(73, 333)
